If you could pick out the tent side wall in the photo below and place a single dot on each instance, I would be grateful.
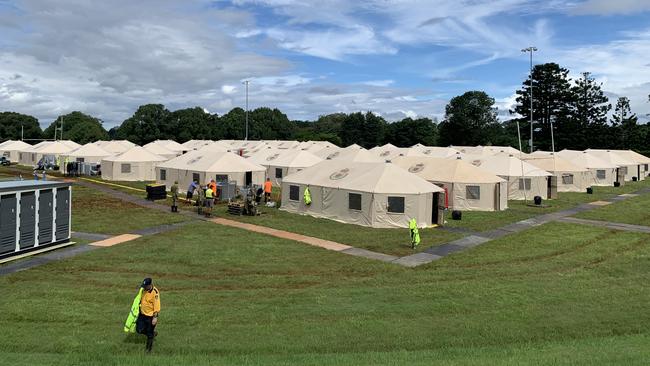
(606, 181)
(459, 199)
(572, 181)
(538, 187)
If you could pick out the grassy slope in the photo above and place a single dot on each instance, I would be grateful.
(634, 211)
(97, 212)
(519, 210)
(233, 297)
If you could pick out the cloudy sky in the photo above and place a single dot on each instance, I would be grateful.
(394, 57)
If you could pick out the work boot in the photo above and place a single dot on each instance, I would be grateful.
(149, 344)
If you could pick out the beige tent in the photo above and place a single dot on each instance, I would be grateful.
(286, 162)
(634, 156)
(525, 181)
(196, 144)
(626, 167)
(437, 152)
(12, 149)
(602, 173)
(570, 177)
(89, 153)
(70, 143)
(50, 149)
(171, 145)
(115, 146)
(368, 194)
(467, 187)
(203, 166)
(160, 150)
(135, 164)
(355, 155)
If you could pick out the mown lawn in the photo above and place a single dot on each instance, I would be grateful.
(633, 210)
(519, 210)
(558, 294)
(97, 212)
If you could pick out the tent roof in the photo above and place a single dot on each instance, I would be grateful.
(446, 170)
(169, 145)
(383, 178)
(15, 145)
(196, 144)
(52, 147)
(115, 146)
(213, 147)
(135, 154)
(586, 160)
(291, 159)
(633, 156)
(90, 150)
(70, 143)
(437, 151)
(159, 149)
(355, 155)
(507, 166)
(554, 163)
(611, 157)
(210, 161)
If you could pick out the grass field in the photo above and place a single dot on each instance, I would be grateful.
(557, 294)
(631, 211)
(519, 210)
(97, 212)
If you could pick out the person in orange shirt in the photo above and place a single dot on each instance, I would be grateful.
(149, 311)
(213, 187)
(268, 188)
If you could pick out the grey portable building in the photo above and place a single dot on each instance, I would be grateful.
(33, 215)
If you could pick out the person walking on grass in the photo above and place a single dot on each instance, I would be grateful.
(174, 191)
(149, 311)
(268, 188)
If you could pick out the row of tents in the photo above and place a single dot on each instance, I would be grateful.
(382, 187)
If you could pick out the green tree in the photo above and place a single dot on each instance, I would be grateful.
(468, 119)
(552, 99)
(270, 124)
(409, 132)
(14, 125)
(78, 127)
(625, 124)
(366, 130)
(145, 125)
(589, 114)
(188, 124)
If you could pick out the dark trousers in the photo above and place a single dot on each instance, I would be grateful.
(143, 326)
(267, 196)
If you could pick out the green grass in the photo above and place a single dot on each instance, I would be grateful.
(519, 210)
(97, 212)
(557, 294)
(388, 241)
(633, 210)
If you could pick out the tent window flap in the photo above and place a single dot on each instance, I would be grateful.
(396, 204)
(524, 184)
(354, 201)
(126, 168)
(196, 177)
(294, 193)
(163, 174)
(278, 173)
(567, 178)
(473, 193)
(600, 174)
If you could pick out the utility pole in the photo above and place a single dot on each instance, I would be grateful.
(246, 82)
(531, 49)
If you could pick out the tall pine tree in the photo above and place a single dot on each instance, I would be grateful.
(589, 115)
(551, 103)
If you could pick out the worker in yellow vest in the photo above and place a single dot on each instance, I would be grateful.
(209, 201)
(149, 311)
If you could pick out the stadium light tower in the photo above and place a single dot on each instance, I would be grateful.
(246, 82)
(531, 49)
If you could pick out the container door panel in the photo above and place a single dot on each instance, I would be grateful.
(7, 223)
(45, 216)
(27, 220)
(62, 213)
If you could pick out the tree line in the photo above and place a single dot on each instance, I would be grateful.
(575, 110)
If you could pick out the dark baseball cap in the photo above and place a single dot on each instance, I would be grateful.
(146, 282)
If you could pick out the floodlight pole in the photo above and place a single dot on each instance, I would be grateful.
(531, 49)
(246, 82)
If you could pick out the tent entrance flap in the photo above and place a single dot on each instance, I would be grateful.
(248, 179)
(497, 197)
(437, 208)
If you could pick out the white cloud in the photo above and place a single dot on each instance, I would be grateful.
(228, 89)
(610, 7)
(379, 83)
